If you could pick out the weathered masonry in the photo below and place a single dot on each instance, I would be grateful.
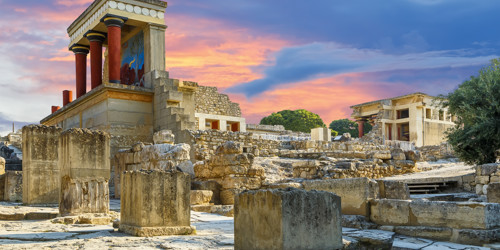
(131, 95)
(415, 118)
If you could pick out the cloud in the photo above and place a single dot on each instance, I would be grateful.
(311, 61)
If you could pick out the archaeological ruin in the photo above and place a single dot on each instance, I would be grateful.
(145, 160)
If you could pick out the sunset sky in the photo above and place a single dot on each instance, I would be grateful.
(267, 55)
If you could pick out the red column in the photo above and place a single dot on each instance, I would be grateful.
(81, 52)
(114, 24)
(67, 97)
(55, 108)
(95, 39)
(361, 130)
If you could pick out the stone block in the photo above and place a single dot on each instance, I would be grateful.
(164, 137)
(41, 177)
(83, 195)
(398, 154)
(199, 197)
(227, 196)
(355, 192)
(460, 215)
(383, 155)
(487, 169)
(13, 186)
(2, 165)
(436, 233)
(208, 185)
(482, 179)
(390, 212)
(155, 202)
(493, 193)
(394, 190)
(321, 134)
(475, 236)
(287, 219)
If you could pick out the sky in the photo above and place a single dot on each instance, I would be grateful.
(319, 55)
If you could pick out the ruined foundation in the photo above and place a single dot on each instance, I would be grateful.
(41, 177)
(85, 171)
(155, 202)
(287, 219)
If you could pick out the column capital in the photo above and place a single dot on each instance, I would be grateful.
(114, 20)
(95, 36)
(79, 49)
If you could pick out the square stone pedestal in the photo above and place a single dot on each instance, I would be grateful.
(155, 202)
(287, 219)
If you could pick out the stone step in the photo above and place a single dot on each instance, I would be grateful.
(430, 187)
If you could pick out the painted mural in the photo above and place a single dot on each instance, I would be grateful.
(132, 65)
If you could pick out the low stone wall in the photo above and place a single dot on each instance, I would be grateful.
(486, 174)
(436, 152)
(205, 143)
(287, 219)
(151, 157)
(232, 170)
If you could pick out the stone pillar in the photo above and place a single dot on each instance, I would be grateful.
(114, 24)
(81, 52)
(287, 219)
(13, 186)
(41, 179)
(67, 97)
(85, 170)
(55, 108)
(155, 202)
(154, 47)
(95, 39)
(361, 129)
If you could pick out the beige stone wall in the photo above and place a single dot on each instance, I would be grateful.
(41, 177)
(232, 170)
(435, 152)
(486, 174)
(287, 219)
(84, 164)
(205, 143)
(13, 186)
(210, 101)
(434, 132)
(155, 202)
(151, 157)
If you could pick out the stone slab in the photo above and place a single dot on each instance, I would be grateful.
(157, 231)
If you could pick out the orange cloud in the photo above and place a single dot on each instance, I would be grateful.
(216, 54)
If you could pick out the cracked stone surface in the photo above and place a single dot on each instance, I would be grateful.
(213, 232)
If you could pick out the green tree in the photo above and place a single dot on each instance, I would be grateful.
(347, 126)
(299, 120)
(476, 106)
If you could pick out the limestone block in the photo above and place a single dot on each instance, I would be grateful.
(83, 195)
(475, 236)
(355, 192)
(390, 212)
(155, 202)
(287, 219)
(460, 215)
(240, 182)
(494, 179)
(383, 155)
(485, 189)
(394, 190)
(164, 137)
(227, 196)
(213, 186)
(41, 177)
(493, 194)
(321, 134)
(398, 154)
(413, 155)
(199, 197)
(2, 165)
(487, 169)
(13, 186)
(436, 233)
(479, 189)
(482, 179)
(84, 153)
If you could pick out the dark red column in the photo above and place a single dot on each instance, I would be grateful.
(95, 39)
(361, 129)
(81, 52)
(114, 24)
(67, 97)
(55, 108)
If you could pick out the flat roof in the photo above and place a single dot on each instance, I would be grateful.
(393, 98)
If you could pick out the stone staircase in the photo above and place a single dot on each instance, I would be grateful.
(428, 187)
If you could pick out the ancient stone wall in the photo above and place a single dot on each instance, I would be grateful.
(85, 171)
(205, 143)
(41, 177)
(436, 152)
(232, 170)
(486, 174)
(210, 101)
(13, 186)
